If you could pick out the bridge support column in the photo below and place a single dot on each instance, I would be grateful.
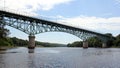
(85, 44)
(104, 44)
(31, 44)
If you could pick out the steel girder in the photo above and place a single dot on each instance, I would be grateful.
(33, 27)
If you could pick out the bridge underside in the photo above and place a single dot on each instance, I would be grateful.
(33, 26)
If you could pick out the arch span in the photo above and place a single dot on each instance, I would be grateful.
(33, 26)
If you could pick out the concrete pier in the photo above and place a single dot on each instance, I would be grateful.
(31, 44)
(85, 44)
(104, 45)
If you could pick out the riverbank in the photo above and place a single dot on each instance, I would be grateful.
(6, 47)
(115, 47)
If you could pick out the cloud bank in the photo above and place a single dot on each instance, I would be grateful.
(29, 7)
(32, 5)
(93, 23)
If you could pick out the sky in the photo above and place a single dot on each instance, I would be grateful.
(101, 16)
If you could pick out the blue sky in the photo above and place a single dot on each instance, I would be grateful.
(97, 15)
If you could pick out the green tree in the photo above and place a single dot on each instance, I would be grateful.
(4, 40)
(75, 44)
(117, 41)
(3, 32)
(19, 42)
(94, 42)
(110, 42)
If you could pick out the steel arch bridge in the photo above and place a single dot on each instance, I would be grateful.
(33, 26)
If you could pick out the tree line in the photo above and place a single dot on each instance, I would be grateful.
(96, 42)
(4, 40)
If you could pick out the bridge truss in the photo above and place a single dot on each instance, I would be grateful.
(33, 26)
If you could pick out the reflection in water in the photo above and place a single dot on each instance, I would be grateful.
(61, 58)
(2, 64)
(31, 61)
(43, 61)
(30, 50)
(92, 52)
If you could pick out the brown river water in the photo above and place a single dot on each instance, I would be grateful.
(61, 57)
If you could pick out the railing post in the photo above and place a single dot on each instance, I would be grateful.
(31, 44)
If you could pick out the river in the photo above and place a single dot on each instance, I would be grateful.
(61, 57)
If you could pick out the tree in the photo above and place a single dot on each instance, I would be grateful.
(75, 44)
(4, 41)
(111, 40)
(3, 31)
(109, 34)
(19, 42)
(94, 42)
(117, 41)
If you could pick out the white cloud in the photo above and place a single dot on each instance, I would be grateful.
(117, 1)
(32, 5)
(28, 7)
(98, 24)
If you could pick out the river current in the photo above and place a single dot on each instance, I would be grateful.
(60, 57)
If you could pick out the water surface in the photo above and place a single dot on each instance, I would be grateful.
(61, 57)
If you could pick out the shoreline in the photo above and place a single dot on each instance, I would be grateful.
(6, 47)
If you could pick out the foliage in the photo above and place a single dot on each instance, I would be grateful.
(19, 42)
(75, 44)
(5, 42)
(117, 41)
(3, 31)
(94, 42)
(111, 40)
(46, 44)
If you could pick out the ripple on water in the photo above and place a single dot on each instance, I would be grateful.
(61, 58)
